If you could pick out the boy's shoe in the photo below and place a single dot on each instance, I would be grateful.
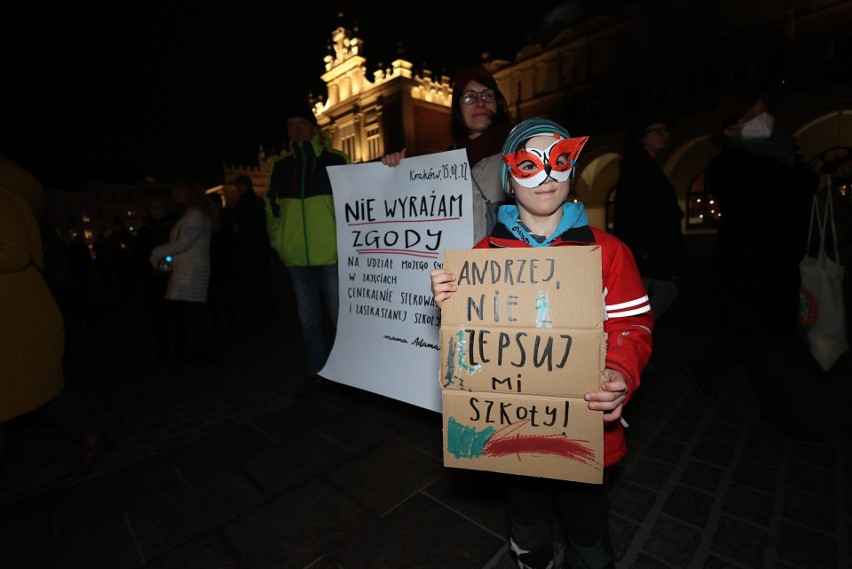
(795, 430)
(702, 387)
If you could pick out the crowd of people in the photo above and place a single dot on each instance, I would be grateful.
(184, 258)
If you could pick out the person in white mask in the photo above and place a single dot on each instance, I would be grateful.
(758, 127)
(764, 192)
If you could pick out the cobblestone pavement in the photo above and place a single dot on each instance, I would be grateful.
(220, 467)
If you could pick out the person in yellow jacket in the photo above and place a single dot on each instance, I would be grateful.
(303, 231)
(31, 327)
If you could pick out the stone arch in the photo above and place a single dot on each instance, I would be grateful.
(828, 129)
(595, 180)
(684, 164)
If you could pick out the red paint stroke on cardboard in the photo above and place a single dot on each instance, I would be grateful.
(507, 442)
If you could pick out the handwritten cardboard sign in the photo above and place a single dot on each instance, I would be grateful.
(521, 342)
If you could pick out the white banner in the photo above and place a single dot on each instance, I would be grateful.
(393, 225)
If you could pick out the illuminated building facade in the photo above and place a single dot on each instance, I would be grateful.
(677, 57)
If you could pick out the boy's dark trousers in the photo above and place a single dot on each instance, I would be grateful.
(583, 509)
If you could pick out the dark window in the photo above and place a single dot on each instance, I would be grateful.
(595, 111)
(661, 94)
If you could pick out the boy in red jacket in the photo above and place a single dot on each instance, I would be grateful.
(539, 156)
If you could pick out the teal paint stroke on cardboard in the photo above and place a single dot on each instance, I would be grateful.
(451, 364)
(466, 442)
(462, 353)
(542, 311)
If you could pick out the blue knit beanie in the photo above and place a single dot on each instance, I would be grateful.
(524, 131)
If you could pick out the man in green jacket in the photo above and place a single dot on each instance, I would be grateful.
(302, 229)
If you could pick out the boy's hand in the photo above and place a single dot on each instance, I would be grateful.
(443, 285)
(610, 399)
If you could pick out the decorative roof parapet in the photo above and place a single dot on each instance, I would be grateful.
(346, 75)
(427, 89)
(346, 72)
(344, 48)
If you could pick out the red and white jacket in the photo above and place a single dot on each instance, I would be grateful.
(629, 321)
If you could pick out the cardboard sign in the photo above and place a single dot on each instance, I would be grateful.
(521, 342)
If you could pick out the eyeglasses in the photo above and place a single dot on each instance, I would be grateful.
(470, 97)
(657, 130)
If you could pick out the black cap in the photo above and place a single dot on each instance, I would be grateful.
(637, 127)
(244, 180)
(306, 113)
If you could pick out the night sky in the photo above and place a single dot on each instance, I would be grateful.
(172, 89)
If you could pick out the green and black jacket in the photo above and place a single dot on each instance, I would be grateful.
(299, 205)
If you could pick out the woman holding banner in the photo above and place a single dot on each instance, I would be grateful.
(480, 122)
